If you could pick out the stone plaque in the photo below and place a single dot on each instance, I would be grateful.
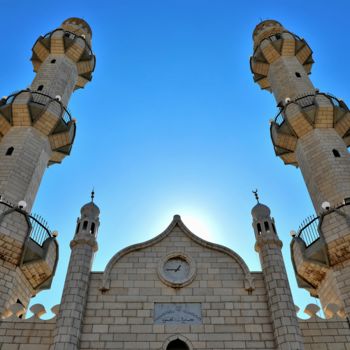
(179, 313)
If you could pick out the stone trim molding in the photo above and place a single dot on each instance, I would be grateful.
(249, 281)
(175, 337)
(180, 284)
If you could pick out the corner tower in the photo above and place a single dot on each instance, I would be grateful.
(285, 323)
(37, 130)
(311, 131)
(83, 246)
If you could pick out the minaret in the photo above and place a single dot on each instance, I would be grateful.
(312, 132)
(283, 314)
(36, 130)
(83, 246)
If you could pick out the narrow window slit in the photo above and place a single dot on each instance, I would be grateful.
(336, 153)
(9, 151)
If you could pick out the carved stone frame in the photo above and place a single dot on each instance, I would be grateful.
(181, 255)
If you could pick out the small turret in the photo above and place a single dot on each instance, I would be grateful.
(268, 245)
(83, 246)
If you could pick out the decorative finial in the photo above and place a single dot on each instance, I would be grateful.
(92, 195)
(256, 195)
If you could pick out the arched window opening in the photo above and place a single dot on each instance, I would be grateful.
(258, 226)
(9, 151)
(274, 228)
(336, 153)
(177, 345)
(267, 227)
(85, 223)
(78, 227)
(40, 88)
(297, 74)
(92, 230)
(20, 303)
(278, 36)
(53, 61)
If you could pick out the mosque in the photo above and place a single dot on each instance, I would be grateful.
(175, 291)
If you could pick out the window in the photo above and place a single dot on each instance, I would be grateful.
(278, 36)
(40, 88)
(267, 227)
(9, 151)
(20, 303)
(274, 228)
(258, 226)
(92, 230)
(53, 61)
(85, 225)
(297, 74)
(177, 345)
(78, 227)
(336, 153)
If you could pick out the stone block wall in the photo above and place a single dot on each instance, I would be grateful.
(123, 317)
(27, 334)
(325, 334)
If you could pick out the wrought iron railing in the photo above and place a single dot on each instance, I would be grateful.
(39, 230)
(40, 99)
(307, 101)
(309, 230)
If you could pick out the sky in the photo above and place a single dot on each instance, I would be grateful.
(172, 122)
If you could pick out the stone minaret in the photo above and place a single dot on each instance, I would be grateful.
(83, 246)
(312, 132)
(283, 314)
(36, 130)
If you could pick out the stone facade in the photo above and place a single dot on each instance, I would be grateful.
(175, 291)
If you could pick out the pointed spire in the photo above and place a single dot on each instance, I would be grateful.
(256, 195)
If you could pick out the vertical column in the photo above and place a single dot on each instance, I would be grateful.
(83, 245)
(283, 314)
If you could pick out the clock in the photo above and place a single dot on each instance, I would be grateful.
(176, 269)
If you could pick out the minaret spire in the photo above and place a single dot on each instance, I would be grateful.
(311, 130)
(256, 195)
(36, 130)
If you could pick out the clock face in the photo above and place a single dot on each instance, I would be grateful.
(176, 269)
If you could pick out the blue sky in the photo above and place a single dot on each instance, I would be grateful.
(172, 122)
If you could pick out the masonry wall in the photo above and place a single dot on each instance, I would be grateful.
(321, 334)
(122, 317)
(31, 334)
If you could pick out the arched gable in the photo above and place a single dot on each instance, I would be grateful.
(249, 283)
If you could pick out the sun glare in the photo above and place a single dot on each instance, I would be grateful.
(199, 226)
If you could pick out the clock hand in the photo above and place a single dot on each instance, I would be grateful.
(170, 269)
(178, 268)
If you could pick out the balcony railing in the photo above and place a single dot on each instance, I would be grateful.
(309, 229)
(307, 101)
(278, 36)
(40, 99)
(39, 231)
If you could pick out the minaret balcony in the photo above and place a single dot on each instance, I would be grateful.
(27, 242)
(74, 46)
(271, 46)
(299, 116)
(45, 113)
(321, 242)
